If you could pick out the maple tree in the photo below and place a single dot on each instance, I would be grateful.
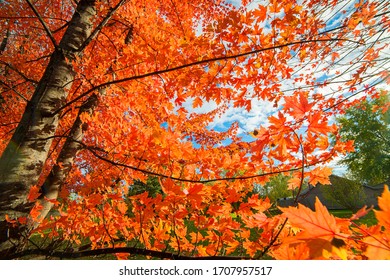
(98, 96)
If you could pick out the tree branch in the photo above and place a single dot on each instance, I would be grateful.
(105, 251)
(96, 31)
(14, 90)
(43, 23)
(10, 66)
(200, 181)
(196, 63)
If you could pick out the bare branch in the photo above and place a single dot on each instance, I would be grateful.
(14, 90)
(10, 66)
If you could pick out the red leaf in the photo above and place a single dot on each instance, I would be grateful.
(297, 108)
(317, 124)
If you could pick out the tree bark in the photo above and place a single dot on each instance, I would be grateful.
(23, 159)
(61, 169)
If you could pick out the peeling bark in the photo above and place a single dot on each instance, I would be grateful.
(23, 159)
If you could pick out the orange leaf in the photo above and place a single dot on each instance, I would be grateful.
(255, 221)
(297, 108)
(315, 224)
(22, 220)
(383, 215)
(294, 182)
(122, 207)
(198, 102)
(320, 175)
(9, 220)
(122, 256)
(33, 194)
(362, 212)
(36, 211)
(317, 125)
(260, 12)
(296, 251)
(232, 196)
(378, 247)
(278, 123)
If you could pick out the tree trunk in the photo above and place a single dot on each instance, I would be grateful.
(23, 159)
(61, 169)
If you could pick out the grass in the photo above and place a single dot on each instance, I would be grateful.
(368, 219)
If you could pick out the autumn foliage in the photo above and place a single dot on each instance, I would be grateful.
(148, 82)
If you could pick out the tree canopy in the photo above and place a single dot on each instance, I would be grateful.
(208, 98)
(368, 125)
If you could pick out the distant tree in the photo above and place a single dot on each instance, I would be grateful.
(368, 125)
(345, 192)
(276, 188)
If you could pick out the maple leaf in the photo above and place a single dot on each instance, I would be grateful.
(383, 215)
(297, 107)
(22, 220)
(233, 196)
(36, 211)
(296, 251)
(255, 221)
(317, 125)
(198, 102)
(361, 213)
(315, 224)
(294, 182)
(122, 256)
(260, 13)
(378, 242)
(335, 56)
(122, 207)
(320, 175)
(378, 247)
(9, 220)
(278, 123)
(232, 246)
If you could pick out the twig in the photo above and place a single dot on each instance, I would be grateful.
(43, 23)
(198, 181)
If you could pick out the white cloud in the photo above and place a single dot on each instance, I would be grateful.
(206, 107)
(235, 3)
(248, 121)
